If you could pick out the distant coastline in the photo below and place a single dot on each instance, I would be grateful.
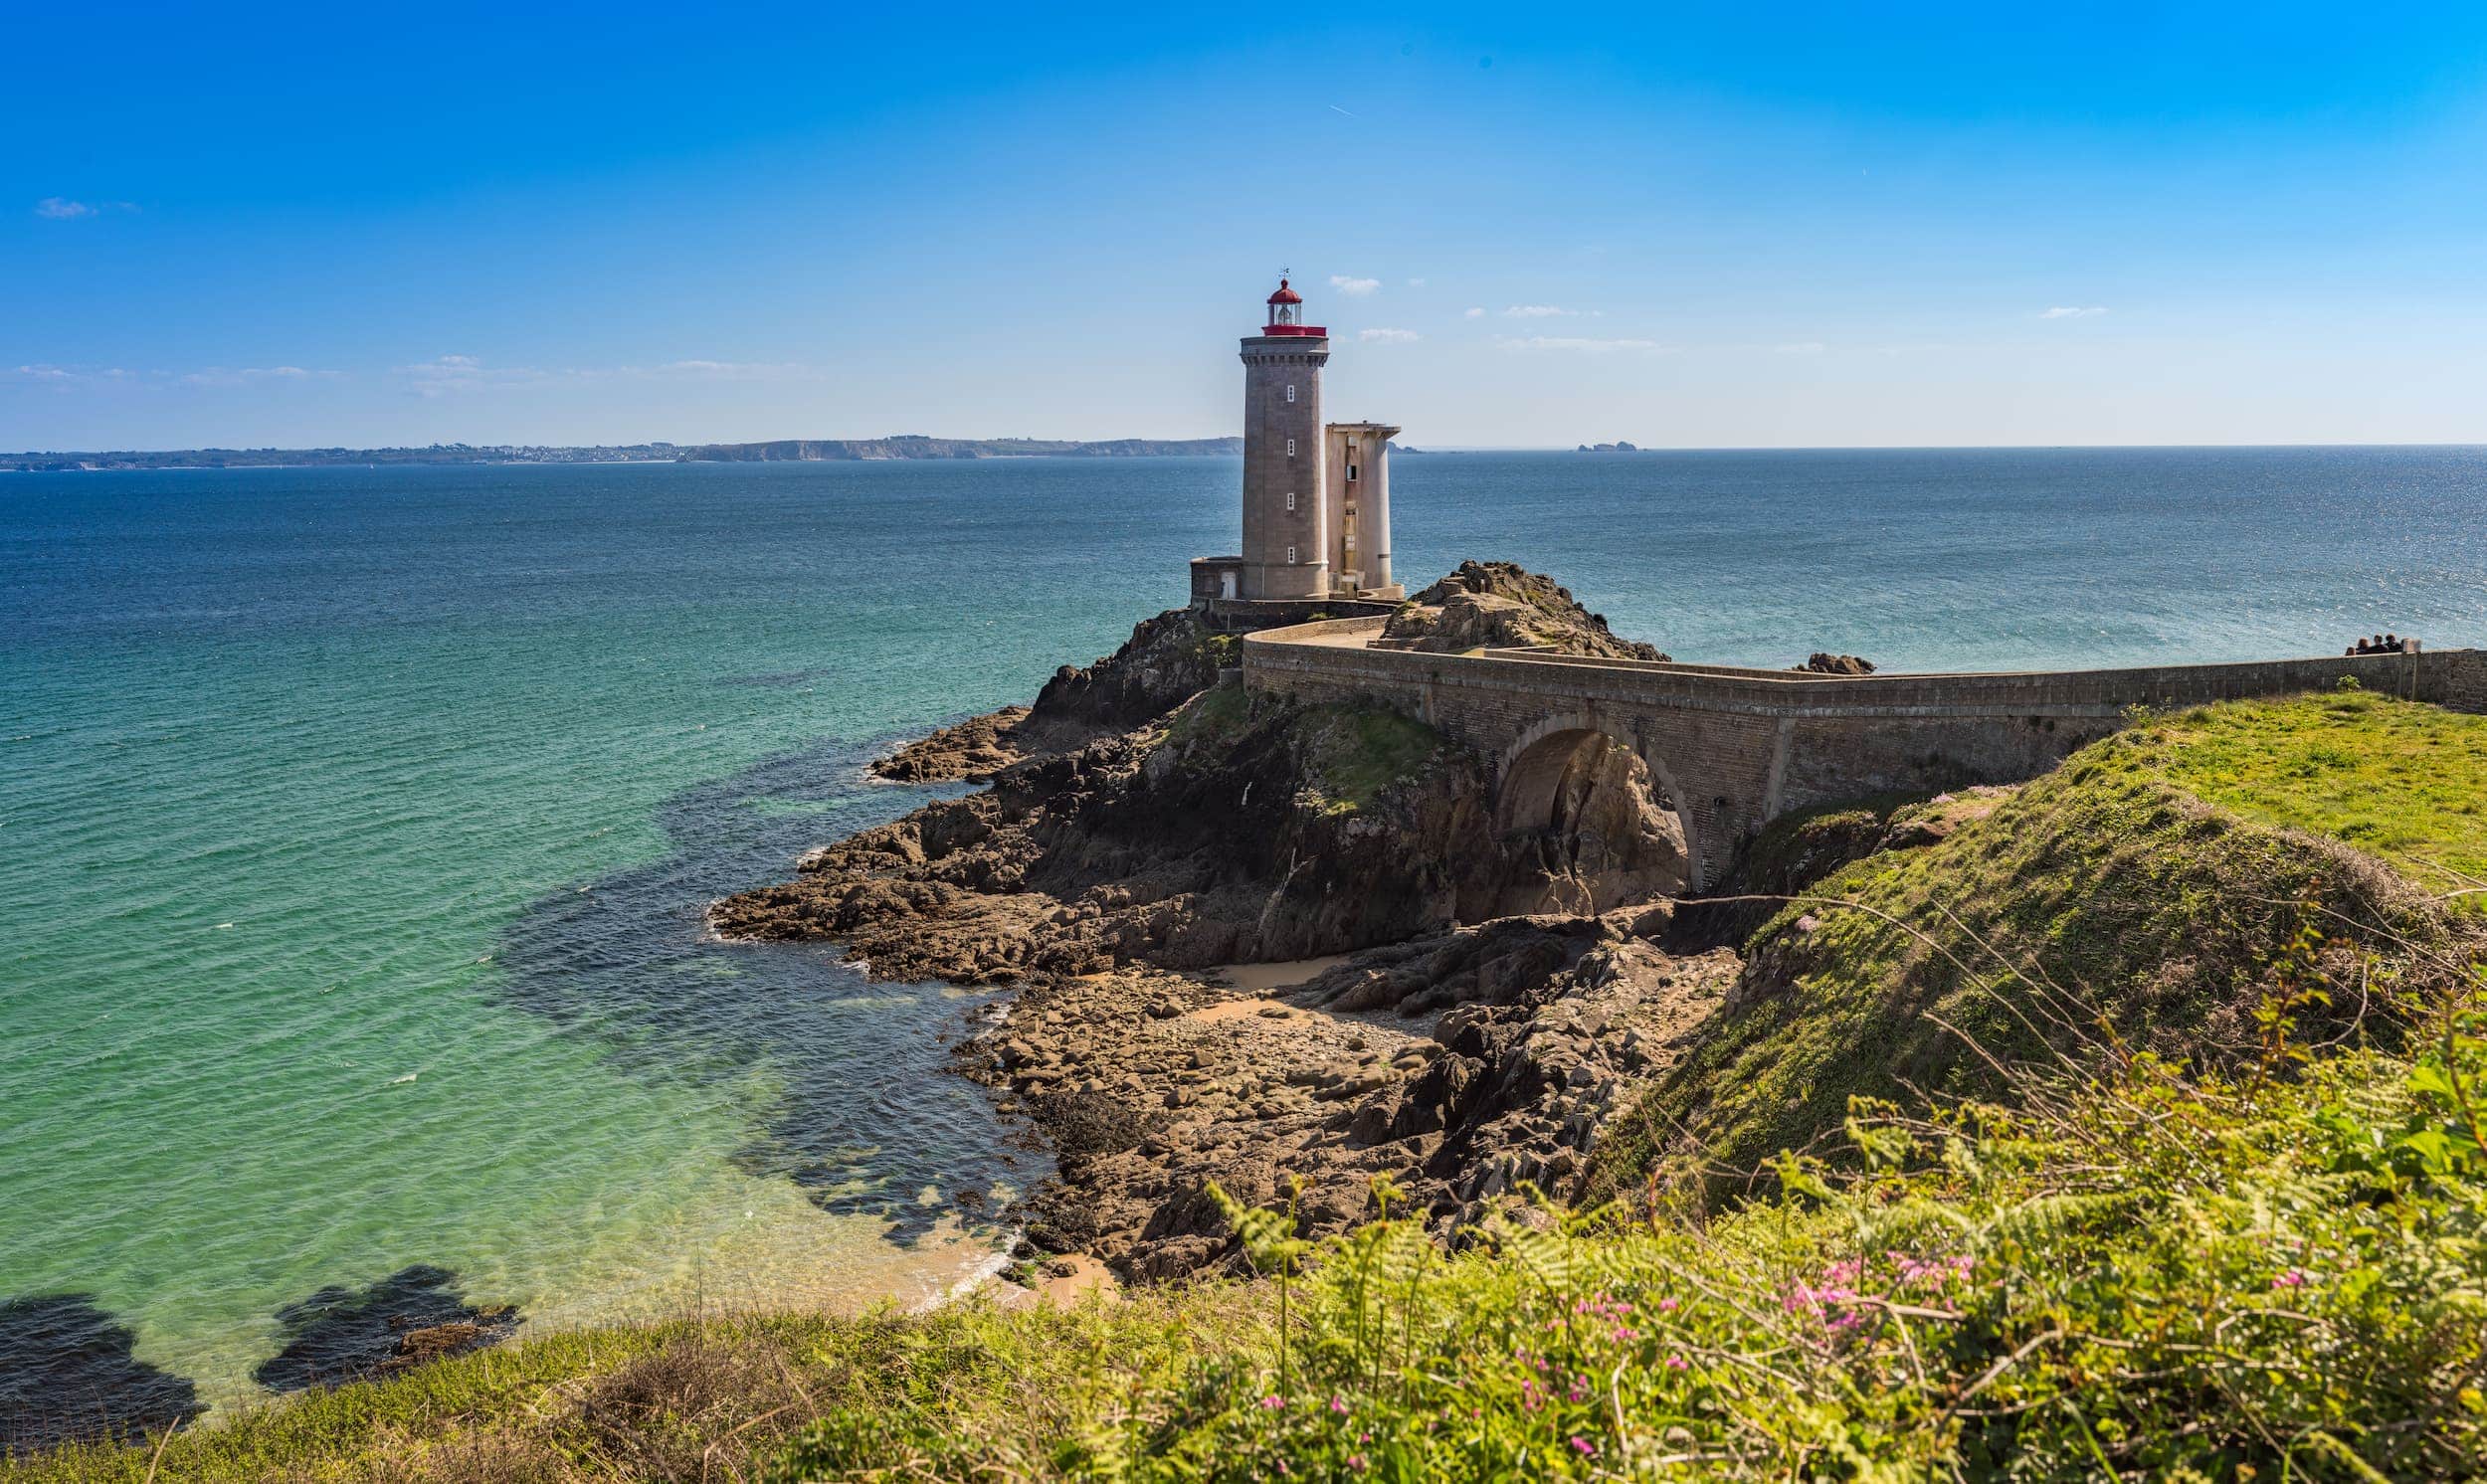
(907, 445)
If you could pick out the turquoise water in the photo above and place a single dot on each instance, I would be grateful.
(355, 825)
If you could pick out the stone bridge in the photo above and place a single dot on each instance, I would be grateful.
(1726, 748)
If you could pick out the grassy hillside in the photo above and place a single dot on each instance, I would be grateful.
(2173, 888)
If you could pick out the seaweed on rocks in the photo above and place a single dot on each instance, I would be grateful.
(413, 1315)
(68, 1373)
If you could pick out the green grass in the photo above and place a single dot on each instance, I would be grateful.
(1216, 716)
(1346, 755)
(714, 1398)
(2153, 892)
(1355, 753)
(2404, 782)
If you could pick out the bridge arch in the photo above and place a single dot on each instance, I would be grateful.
(1593, 817)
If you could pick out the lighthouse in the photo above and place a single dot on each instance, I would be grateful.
(1286, 550)
(1316, 497)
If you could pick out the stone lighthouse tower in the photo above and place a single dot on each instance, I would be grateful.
(1287, 546)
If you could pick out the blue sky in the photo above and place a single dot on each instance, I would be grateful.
(1683, 225)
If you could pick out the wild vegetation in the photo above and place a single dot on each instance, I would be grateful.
(2107, 903)
(2260, 1276)
(2131, 1123)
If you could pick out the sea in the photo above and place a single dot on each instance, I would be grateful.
(356, 825)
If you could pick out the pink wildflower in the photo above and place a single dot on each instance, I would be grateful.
(1273, 1403)
(2292, 1278)
(1933, 1272)
(1667, 1306)
(1677, 1363)
(1338, 1405)
(1355, 1461)
(1586, 1448)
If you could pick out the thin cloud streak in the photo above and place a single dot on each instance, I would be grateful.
(454, 375)
(63, 209)
(1573, 342)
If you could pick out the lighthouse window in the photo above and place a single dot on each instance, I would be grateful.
(1351, 474)
(1290, 447)
(1291, 394)
(1290, 499)
(1290, 556)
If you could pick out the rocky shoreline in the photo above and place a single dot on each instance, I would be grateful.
(1486, 1007)
(1464, 1066)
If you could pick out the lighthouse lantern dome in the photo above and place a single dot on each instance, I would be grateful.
(1286, 306)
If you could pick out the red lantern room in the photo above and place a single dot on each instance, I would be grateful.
(1286, 314)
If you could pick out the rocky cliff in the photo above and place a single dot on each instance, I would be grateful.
(1167, 660)
(1230, 831)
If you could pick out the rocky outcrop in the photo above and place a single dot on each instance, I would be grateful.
(1463, 1064)
(1242, 831)
(975, 750)
(1498, 605)
(1167, 660)
(1820, 663)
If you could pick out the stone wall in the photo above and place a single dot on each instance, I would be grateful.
(2465, 681)
(1733, 748)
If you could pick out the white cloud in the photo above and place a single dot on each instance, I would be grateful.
(63, 209)
(2064, 312)
(1802, 347)
(1571, 342)
(235, 376)
(1416, 282)
(736, 370)
(69, 375)
(450, 375)
(1476, 314)
(447, 375)
(1359, 287)
(1538, 311)
(1382, 336)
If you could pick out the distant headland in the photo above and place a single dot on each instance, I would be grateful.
(806, 450)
